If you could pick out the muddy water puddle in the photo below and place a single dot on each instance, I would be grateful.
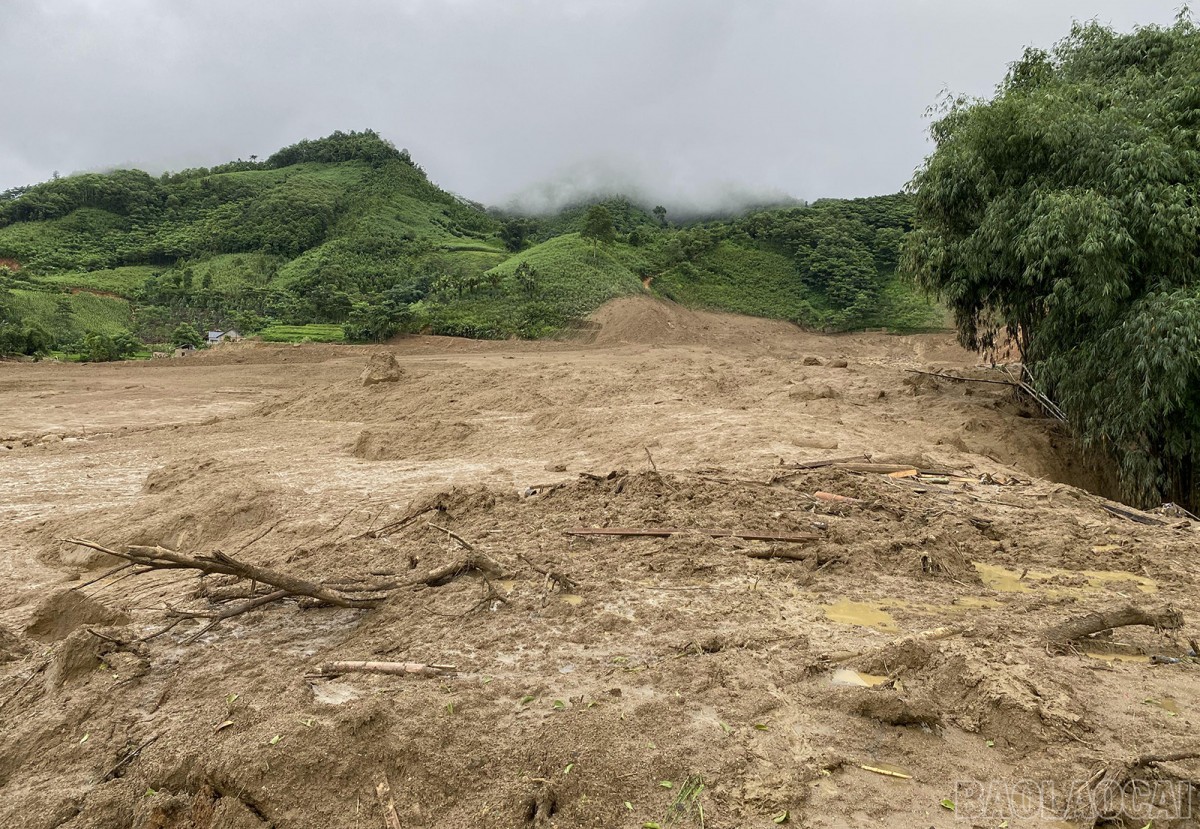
(865, 614)
(845, 676)
(1004, 580)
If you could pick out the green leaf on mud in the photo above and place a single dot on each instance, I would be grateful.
(628, 805)
(666, 784)
(275, 740)
(782, 817)
(990, 743)
(758, 726)
(948, 804)
(725, 727)
(528, 698)
(567, 770)
(85, 739)
(559, 705)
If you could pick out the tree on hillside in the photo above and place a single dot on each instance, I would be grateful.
(185, 334)
(660, 213)
(514, 232)
(1063, 212)
(598, 227)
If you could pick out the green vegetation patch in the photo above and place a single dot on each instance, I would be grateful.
(311, 333)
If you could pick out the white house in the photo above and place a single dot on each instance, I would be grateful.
(218, 337)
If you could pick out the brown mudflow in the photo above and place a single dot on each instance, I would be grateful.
(589, 671)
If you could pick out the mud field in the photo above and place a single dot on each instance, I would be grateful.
(905, 666)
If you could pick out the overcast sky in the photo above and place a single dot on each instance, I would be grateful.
(684, 101)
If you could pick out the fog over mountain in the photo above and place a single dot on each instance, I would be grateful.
(696, 104)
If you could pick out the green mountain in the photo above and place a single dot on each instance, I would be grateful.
(345, 236)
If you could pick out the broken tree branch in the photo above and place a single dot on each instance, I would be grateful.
(564, 582)
(664, 532)
(160, 558)
(958, 379)
(1062, 634)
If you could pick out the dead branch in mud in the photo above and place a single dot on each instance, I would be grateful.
(127, 759)
(1062, 634)
(664, 532)
(390, 668)
(160, 558)
(932, 635)
(1014, 384)
(564, 582)
(453, 535)
(383, 790)
(43, 666)
(397, 524)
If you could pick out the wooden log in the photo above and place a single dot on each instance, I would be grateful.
(1132, 515)
(390, 668)
(1166, 618)
(823, 463)
(832, 498)
(664, 532)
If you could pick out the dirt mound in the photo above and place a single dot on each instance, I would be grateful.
(428, 439)
(644, 320)
(192, 503)
(66, 610)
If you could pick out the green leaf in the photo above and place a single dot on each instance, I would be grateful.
(666, 784)
(990, 743)
(782, 817)
(948, 804)
(567, 770)
(85, 739)
(628, 805)
(760, 726)
(559, 705)
(275, 740)
(528, 698)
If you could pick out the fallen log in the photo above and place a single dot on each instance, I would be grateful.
(1062, 634)
(1131, 515)
(389, 668)
(664, 532)
(821, 464)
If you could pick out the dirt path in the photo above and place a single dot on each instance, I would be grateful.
(674, 660)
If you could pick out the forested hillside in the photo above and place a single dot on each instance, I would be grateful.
(345, 236)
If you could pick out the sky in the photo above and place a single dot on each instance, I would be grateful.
(691, 103)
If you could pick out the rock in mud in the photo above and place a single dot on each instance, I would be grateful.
(812, 361)
(382, 368)
(838, 364)
(67, 610)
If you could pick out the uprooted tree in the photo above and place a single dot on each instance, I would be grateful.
(1063, 212)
